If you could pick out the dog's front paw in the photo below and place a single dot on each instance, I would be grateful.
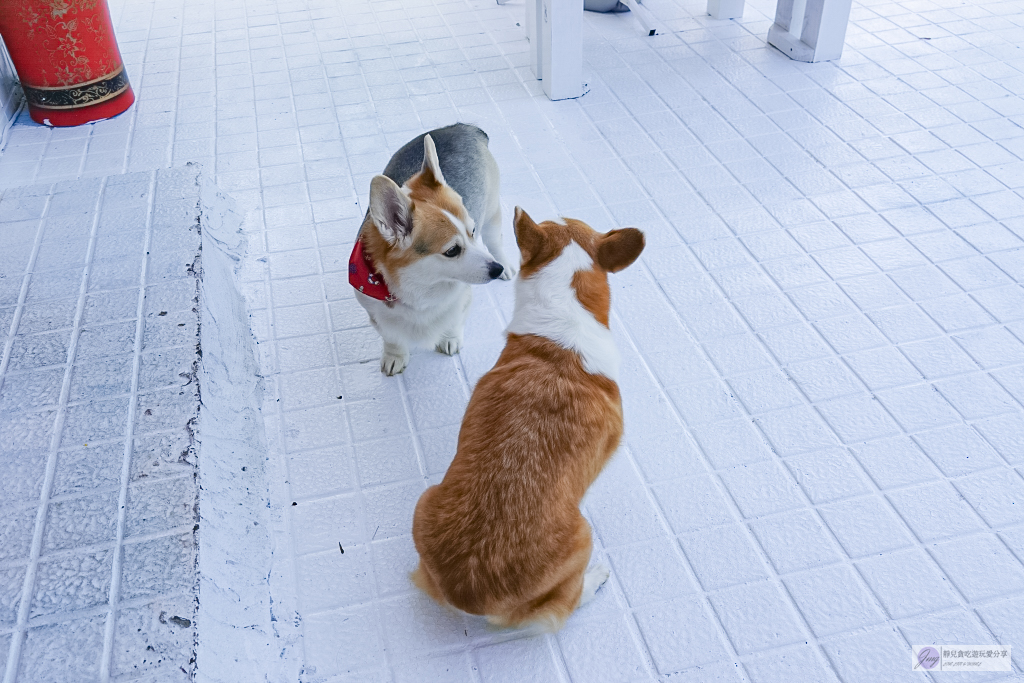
(509, 271)
(449, 346)
(393, 363)
(592, 580)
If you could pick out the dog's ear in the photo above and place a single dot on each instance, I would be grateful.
(390, 210)
(431, 166)
(619, 248)
(529, 237)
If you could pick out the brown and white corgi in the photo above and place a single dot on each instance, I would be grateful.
(417, 250)
(502, 534)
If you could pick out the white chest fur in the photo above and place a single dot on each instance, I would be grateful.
(546, 305)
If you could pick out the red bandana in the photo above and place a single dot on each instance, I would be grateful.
(364, 276)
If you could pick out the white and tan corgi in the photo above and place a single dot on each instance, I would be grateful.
(502, 534)
(417, 251)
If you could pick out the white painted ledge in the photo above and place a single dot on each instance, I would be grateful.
(244, 633)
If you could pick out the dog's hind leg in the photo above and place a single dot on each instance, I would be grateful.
(568, 590)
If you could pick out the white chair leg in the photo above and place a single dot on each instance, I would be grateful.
(810, 30)
(643, 16)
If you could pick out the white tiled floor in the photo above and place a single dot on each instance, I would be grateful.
(823, 344)
(97, 395)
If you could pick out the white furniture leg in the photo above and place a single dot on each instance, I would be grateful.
(531, 22)
(810, 30)
(725, 9)
(643, 17)
(560, 29)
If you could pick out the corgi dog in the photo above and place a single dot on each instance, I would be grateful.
(502, 534)
(417, 251)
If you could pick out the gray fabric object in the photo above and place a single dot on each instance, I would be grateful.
(604, 6)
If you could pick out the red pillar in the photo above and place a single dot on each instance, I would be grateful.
(67, 59)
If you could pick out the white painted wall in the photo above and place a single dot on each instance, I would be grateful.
(10, 93)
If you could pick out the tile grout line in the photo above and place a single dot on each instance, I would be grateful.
(634, 630)
(42, 153)
(403, 390)
(849, 560)
(738, 517)
(126, 459)
(554, 646)
(85, 152)
(5, 358)
(107, 545)
(337, 365)
(965, 603)
(633, 627)
(879, 271)
(20, 631)
(133, 128)
(847, 187)
(14, 648)
(773, 576)
(134, 113)
(281, 441)
(58, 618)
(551, 641)
(845, 558)
(172, 138)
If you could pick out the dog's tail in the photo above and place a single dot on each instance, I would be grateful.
(475, 129)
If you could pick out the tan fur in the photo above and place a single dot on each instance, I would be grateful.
(431, 229)
(502, 534)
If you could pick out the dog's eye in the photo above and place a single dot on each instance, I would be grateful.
(453, 252)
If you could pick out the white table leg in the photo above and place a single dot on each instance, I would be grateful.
(531, 22)
(560, 25)
(725, 9)
(810, 30)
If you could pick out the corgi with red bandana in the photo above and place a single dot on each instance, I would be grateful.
(502, 535)
(418, 252)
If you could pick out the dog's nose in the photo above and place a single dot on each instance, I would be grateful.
(495, 269)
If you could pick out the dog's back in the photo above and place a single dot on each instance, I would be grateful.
(466, 162)
(502, 535)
